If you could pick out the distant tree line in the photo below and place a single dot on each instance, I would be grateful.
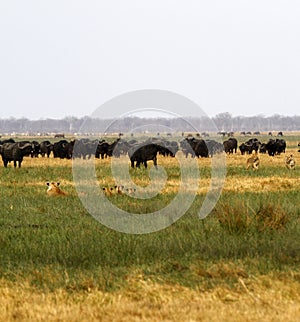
(220, 122)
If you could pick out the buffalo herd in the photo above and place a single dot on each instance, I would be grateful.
(272, 147)
(138, 152)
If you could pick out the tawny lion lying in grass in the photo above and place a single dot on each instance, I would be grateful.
(54, 190)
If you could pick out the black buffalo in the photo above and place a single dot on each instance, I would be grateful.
(214, 147)
(111, 149)
(230, 145)
(245, 148)
(263, 148)
(63, 149)
(7, 141)
(15, 152)
(143, 153)
(186, 147)
(122, 147)
(277, 146)
(171, 148)
(116, 148)
(195, 147)
(45, 148)
(59, 135)
(84, 148)
(201, 149)
(36, 149)
(102, 149)
(249, 146)
(167, 148)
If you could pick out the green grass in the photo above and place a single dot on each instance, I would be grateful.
(54, 242)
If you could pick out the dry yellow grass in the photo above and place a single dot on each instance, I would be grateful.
(253, 299)
(263, 298)
(232, 183)
(275, 161)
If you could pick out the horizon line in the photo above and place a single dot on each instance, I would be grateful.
(148, 117)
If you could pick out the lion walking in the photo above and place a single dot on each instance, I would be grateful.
(253, 162)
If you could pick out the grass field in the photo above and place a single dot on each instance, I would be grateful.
(241, 263)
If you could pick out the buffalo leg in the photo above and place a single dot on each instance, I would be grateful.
(155, 162)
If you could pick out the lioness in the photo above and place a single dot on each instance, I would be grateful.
(54, 190)
(253, 162)
(290, 162)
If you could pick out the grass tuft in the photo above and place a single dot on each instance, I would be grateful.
(238, 218)
(234, 217)
(271, 216)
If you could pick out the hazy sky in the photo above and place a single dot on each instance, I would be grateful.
(61, 58)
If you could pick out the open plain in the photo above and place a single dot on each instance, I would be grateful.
(241, 263)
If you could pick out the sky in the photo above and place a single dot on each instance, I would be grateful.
(67, 58)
